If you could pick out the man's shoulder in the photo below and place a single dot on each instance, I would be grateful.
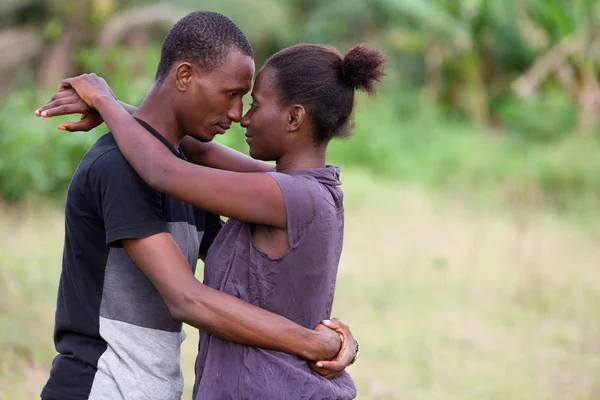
(104, 162)
(105, 155)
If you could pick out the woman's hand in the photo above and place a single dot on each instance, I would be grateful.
(66, 102)
(90, 87)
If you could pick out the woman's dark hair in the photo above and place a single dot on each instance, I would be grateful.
(323, 81)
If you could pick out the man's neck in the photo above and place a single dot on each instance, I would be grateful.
(156, 110)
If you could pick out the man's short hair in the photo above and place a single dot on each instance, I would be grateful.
(203, 38)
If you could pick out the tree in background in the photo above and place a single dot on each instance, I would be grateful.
(520, 69)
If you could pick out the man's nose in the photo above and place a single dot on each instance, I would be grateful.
(235, 112)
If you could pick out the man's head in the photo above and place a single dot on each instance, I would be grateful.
(206, 66)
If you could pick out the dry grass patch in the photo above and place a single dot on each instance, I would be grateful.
(448, 302)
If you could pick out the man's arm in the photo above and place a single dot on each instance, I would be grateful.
(218, 313)
(216, 155)
(133, 217)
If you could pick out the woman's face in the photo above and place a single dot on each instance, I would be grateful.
(266, 120)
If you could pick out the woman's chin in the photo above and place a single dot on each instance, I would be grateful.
(256, 154)
(253, 154)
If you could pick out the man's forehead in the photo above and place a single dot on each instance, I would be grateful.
(237, 71)
(236, 61)
(241, 88)
(239, 80)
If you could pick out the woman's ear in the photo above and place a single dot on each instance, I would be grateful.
(183, 76)
(296, 117)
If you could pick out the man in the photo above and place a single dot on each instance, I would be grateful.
(127, 280)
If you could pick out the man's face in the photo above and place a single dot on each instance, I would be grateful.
(213, 99)
(265, 122)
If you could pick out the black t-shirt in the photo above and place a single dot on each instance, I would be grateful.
(113, 332)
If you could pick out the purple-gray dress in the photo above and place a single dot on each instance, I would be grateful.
(299, 286)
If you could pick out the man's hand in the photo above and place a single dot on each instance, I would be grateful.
(345, 357)
(91, 88)
(332, 339)
(65, 102)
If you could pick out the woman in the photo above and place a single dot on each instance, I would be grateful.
(282, 252)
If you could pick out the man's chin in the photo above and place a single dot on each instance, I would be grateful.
(202, 139)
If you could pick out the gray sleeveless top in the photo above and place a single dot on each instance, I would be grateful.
(300, 286)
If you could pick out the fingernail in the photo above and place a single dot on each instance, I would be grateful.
(62, 128)
(320, 365)
(37, 112)
(44, 113)
(327, 321)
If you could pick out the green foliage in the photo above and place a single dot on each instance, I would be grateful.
(524, 116)
(130, 73)
(452, 63)
(35, 157)
(399, 134)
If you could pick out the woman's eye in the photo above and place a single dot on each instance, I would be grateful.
(232, 94)
(253, 106)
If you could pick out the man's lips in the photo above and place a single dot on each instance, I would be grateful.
(223, 127)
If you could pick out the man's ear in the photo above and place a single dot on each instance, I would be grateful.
(183, 76)
(296, 117)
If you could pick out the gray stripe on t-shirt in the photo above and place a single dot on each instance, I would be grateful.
(138, 364)
(129, 296)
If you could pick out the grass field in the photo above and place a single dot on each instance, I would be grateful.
(448, 302)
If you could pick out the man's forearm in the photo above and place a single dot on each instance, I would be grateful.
(232, 319)
(216, 155)
(218, 313)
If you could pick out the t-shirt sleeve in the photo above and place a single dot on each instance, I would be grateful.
(129, 207)
(208, 225)
(301, 196)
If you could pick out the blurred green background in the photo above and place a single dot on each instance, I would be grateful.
(472, 182)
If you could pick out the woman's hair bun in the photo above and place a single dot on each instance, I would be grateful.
(362, 67)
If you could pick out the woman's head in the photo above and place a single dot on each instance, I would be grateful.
(312, 86)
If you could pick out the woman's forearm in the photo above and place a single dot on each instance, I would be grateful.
(248, 197)
(151, 162)
(128, 107)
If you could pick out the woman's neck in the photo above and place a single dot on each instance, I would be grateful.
(311, 158)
